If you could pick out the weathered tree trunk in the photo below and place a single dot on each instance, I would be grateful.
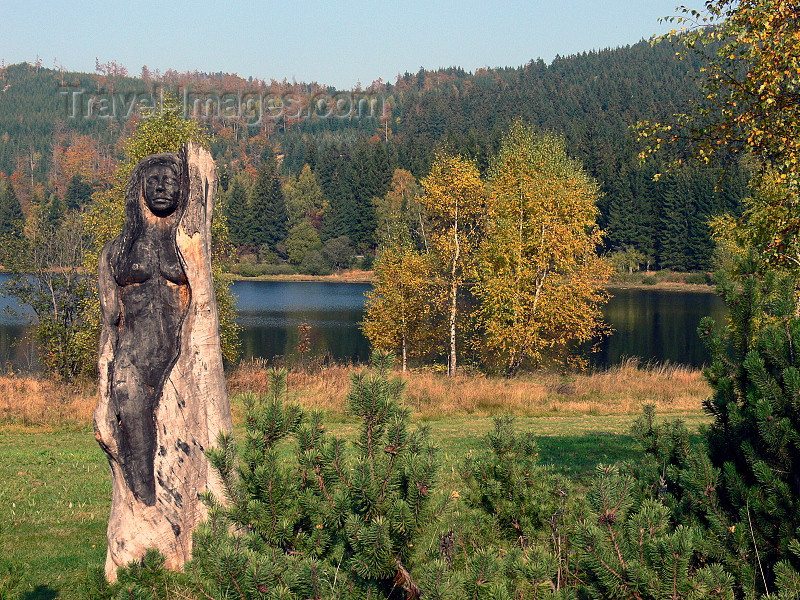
(158, 414)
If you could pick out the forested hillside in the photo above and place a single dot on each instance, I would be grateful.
(301, 167)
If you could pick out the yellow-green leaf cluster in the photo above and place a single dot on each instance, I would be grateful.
(165, 130)
(768, 226)
(540, 283)
(750, 86)
(454, 201)
(524, 243)
(453, 198)
(400, 307)
(398, 211)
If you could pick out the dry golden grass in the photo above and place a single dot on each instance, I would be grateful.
(323, 390)
(619, 391)
(32, 401)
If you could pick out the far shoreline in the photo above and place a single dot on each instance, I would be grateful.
(345, 276)
(664, 286)
(359, 276)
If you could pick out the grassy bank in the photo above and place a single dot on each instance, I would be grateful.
(344, 276)
(55, 488)
(663, 281)
(659, 280)
(620, 390)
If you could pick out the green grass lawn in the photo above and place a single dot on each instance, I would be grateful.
(55, 489)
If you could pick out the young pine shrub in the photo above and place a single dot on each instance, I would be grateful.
(247, 547)
(630, 548)
(527, 503)
(754, 439)
(340, 520)
(146, 579)
(508, 537)
(677, 473)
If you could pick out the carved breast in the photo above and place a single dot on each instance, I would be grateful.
(148, 258)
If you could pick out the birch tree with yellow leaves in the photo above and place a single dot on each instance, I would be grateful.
(454, 201)
(400, 306)
(540, 283)
(749, 106)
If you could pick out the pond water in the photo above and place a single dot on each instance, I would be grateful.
(658, 326)
(652, 325)
(271, 312)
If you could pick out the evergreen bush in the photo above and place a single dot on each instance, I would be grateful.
(631, 548)
(755, 436)
(525, 512)
(307, 515)
(339, 521)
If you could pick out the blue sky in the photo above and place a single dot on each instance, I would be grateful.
(334, 43)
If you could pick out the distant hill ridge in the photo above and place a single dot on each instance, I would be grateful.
(592, 99)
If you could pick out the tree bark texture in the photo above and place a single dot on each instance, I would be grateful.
(162, 389)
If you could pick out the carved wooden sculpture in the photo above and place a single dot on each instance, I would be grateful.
(162, 388)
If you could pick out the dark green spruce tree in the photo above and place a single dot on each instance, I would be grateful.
(236, 209)
(55, 211)
(268, 220)
(12, 219)
(78, 192)
(336, 178)
(676, 223)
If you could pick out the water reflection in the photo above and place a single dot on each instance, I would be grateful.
(657, 326)
(652, 325)
(17, 350)
(271, 313)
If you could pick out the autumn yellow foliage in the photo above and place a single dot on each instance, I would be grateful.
(454, 202)
(540, 283)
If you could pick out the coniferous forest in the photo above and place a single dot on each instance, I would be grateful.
(300, 180)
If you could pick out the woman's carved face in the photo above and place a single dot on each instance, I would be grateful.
(161, 190)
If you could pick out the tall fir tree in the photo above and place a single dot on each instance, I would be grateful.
(622, 216)
(268, 219)
(55, 211)
(236, 210)
(675, 224)
(78, 192)
(336, 181)
(631, 214)
(12, 219)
